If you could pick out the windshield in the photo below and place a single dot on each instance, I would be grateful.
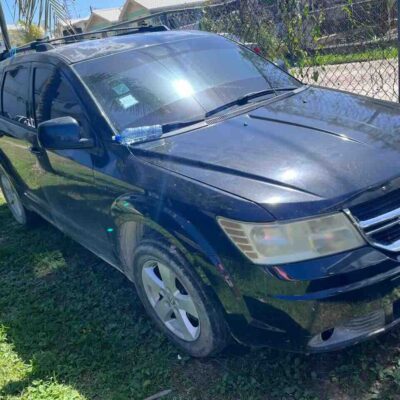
(177, 81)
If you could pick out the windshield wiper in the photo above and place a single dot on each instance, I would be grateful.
(142, 134)
(173, 126)
(242, 100)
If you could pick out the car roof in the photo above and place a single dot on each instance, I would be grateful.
(89, 49)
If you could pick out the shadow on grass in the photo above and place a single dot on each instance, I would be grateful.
(73, 317)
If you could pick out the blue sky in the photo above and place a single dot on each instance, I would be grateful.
(78, 9)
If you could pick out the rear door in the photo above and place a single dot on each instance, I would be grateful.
(18, 140)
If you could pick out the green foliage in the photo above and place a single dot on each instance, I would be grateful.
(289, 30)
(387, 53)
(302, 31)
(49, 390)
(348, 9)
(31, 31)
(44, 12)
(25, 33)
(251, 23)
(293, 19)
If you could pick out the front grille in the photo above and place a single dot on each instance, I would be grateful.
(379, 206)
(388, 235)
(379, 219)
(396, 309)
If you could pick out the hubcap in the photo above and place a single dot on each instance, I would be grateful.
(13, 200)
(171, 301)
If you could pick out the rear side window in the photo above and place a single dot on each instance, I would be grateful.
(15, 93)
(54, 97)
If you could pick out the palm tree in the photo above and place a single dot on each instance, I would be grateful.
(43, 13)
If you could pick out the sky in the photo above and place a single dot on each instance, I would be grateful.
(78, 8)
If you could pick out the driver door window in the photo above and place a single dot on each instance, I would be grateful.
(54, 97)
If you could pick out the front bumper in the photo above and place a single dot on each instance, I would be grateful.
(354, 331)
(349, 298)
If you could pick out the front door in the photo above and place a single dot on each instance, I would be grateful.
(67, 177)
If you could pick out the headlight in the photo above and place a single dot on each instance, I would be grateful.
(279, 243)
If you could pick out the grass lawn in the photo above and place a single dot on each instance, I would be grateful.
(72, 328)
(365, 55)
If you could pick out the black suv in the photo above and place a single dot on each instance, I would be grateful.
(240, 202)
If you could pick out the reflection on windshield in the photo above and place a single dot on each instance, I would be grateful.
(177, 81)
(183, 87)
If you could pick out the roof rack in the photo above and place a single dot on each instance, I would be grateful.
(45, 44)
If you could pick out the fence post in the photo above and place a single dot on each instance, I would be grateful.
(398, 49)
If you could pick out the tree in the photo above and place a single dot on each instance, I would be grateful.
(249, 21)
(41, 12)
(31, 32)
(22, 34)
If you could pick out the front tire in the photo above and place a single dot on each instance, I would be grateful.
(176, 299)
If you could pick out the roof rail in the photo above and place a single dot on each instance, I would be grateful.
(46, 43)
(108, 32)
(38, 45)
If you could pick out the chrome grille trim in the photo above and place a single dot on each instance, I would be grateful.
(395, 246)
(382, 228)
(386, 221)
(380, 219)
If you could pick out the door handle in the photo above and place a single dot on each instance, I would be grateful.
(35, 150)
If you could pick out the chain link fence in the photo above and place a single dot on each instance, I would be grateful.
(344, 44)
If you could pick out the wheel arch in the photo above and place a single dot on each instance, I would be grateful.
(7, 168)
(133, 224)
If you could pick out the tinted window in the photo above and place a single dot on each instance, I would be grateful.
(54, 97)
(15, 91)
(177, 81)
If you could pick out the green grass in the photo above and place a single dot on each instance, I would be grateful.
(366, 55)
(72, 328)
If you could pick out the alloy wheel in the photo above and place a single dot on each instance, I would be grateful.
(171, 301)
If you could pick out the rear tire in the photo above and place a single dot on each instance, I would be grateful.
(176, 299)
(20, 213)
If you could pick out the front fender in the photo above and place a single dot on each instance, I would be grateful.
(136, 217)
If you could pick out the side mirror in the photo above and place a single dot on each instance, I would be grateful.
(62, 134)
(282, 65)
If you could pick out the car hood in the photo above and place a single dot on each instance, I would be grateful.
(297, 156)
